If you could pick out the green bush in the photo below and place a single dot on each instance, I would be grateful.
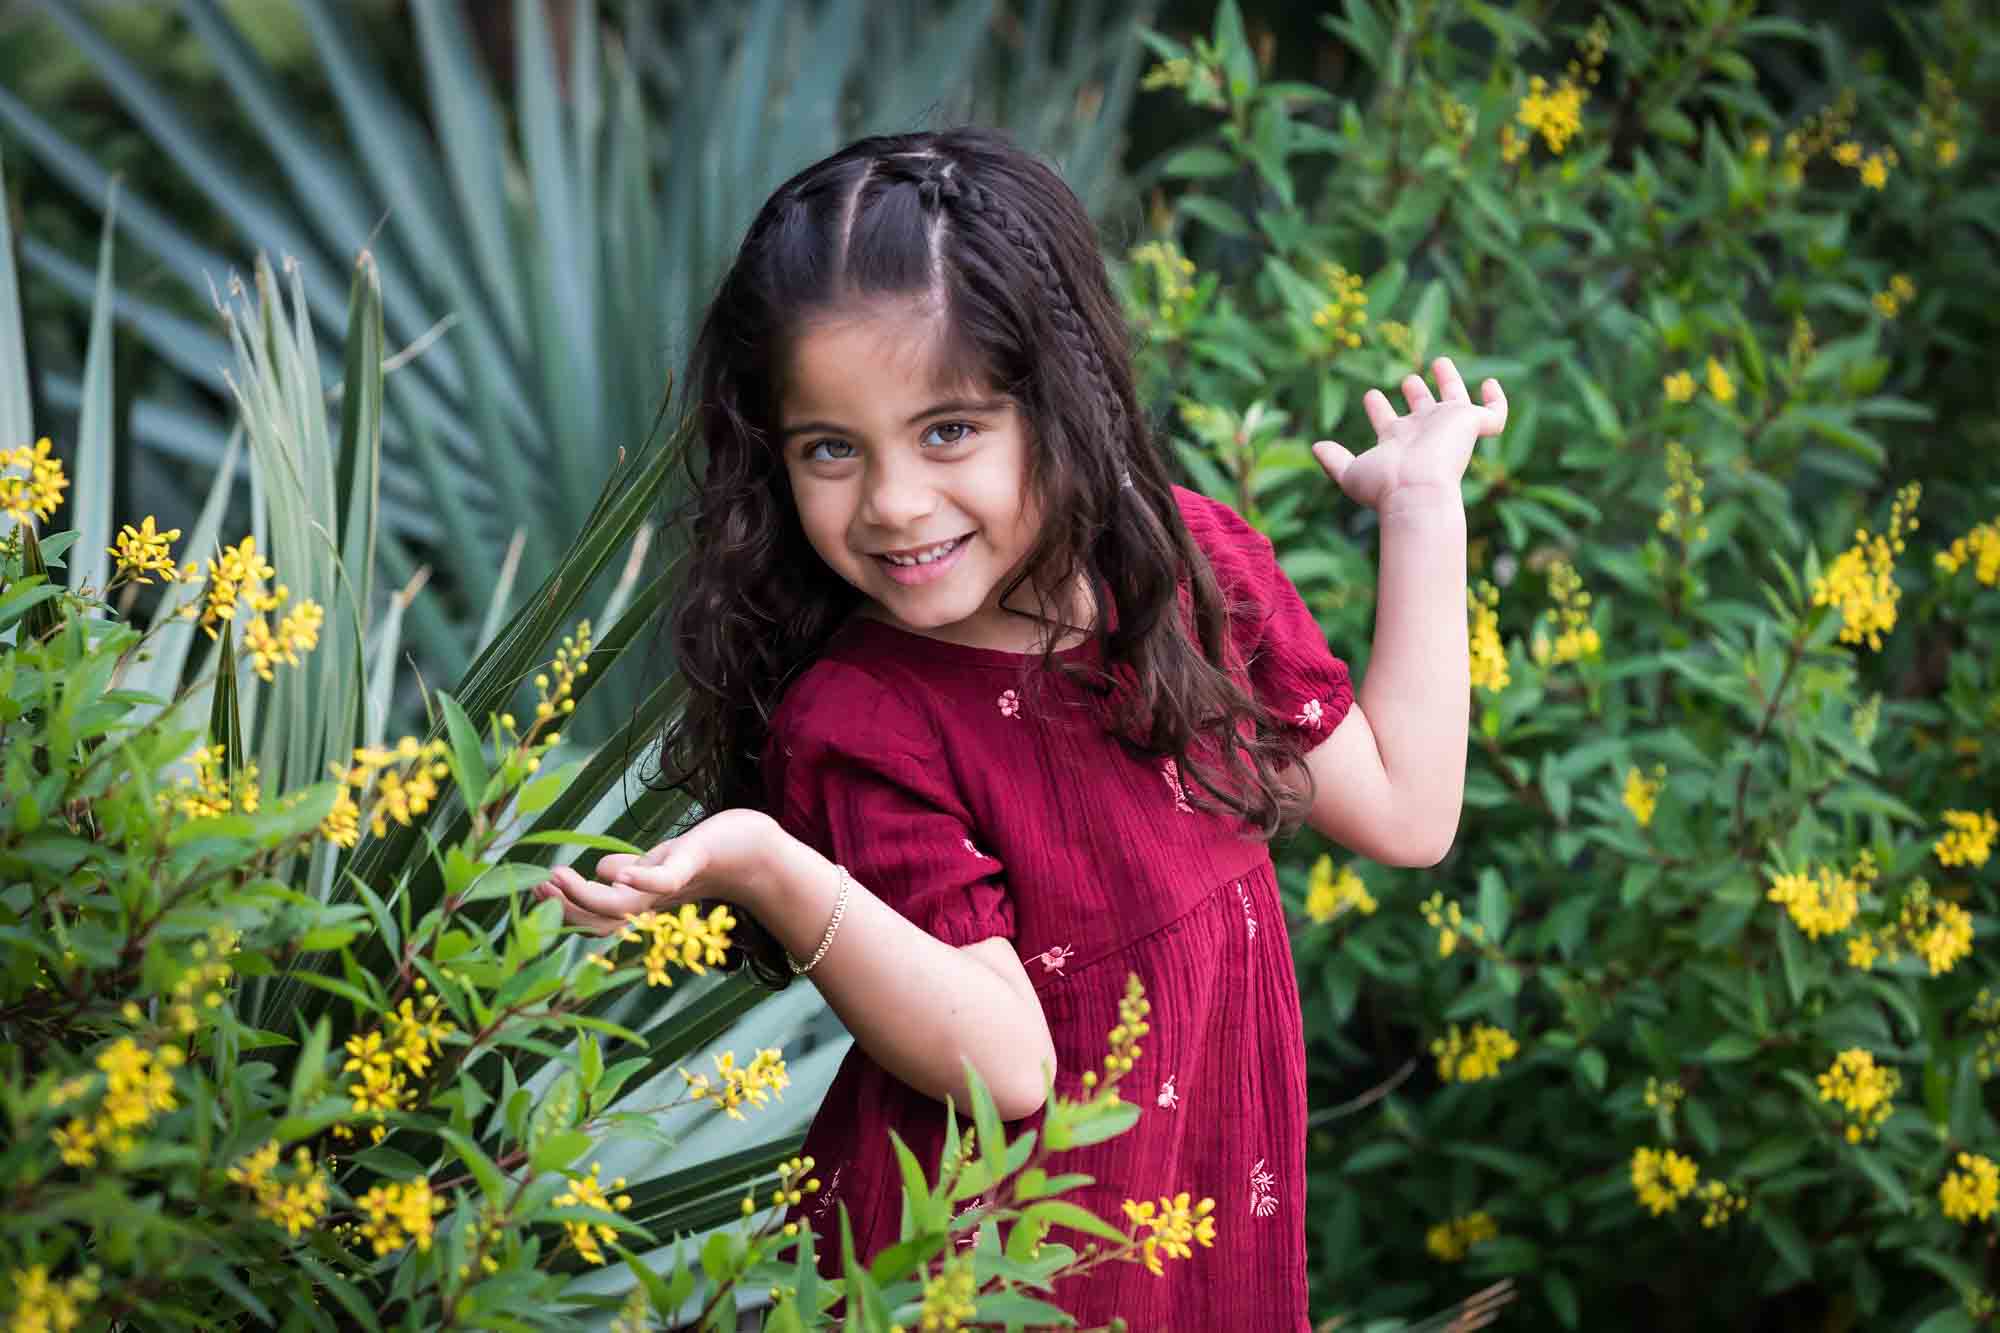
(1693, 1027)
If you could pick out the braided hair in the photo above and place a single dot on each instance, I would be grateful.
(994, 236)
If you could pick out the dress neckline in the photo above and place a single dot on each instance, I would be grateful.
(944, 650)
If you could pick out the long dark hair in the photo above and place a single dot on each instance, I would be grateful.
(965, 217)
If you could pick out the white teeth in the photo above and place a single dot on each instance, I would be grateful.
(925, 556)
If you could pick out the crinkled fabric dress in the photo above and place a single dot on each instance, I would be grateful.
(980, 799)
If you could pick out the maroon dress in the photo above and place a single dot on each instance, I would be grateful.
(980, 804)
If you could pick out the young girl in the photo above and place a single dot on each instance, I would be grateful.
(991, 713)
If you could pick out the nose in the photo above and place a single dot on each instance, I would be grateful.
(897, 499)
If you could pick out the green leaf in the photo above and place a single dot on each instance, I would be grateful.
(1216, 214)
(559, 1149)
(468, 755)
(1103, 1123)
(596, 842)
(1062, 1213)
(1199, 162)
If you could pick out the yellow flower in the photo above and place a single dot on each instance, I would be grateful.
(1863, 1089)
(419, 1036)
(237, 574)
(1971, 1194)
(1982, 547)
(1170, 1227)
(1578, 638)
(682, 938)
(1862, 952)
(1662, 1178)
(1861, 580)
(1719, 383)
(1680, 387)
(948, 1297)
(1643, 794)
(1818, 906)
(1947, 152)
(297, 1205)
(1848, 154)
(144, 550)
(1875, 172)
(1760, 145)
(1450, 1241)
(40, 492)
(1329, 895)
(587, 1193)
(1556, 115)
(1969, 838)
(1681, 507)
(1467, 1058)
(399, 1214)
(1448, 919)
(1489, 655)
(1720, 1203)
(43, 1306)
(755, 1083)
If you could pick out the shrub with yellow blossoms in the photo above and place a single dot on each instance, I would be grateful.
(1864, 1091)
(1861, 581)
(1331, 895)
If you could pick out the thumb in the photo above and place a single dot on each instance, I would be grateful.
(1333, 458)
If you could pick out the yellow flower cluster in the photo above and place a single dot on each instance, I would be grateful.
(1397, 338)
(1719, 382)
(1344, 315)
(1133, 1008)
(1864, 1089)
(1556, 115)
(146, 550)
(42, 1305)
(1470, 1057)
(1799, 347)
(37, 494)
(1173, 278)
(1661, 1178)
(1816, 135)
(1968, 840)
(1329, 895)
(586, 1192)
(296, 1205)
(682, 938)
(1448, 920)
(212, 792)
(1164, 1231)
(1938, 932)
(1450, 1241)
(1720, 1203)
(1665, 1095)
(1972, 1193)
(1489, 655)
(1642, 794)
(948, 1297)
(1679, 386)
(391, 783)
(139, 1086)
(1681, 507)
(379, 1086)
(755, 1083)
(1456, 117)
(205, 984)
(1577, 638)
(572, 660)
(399, 1214)
(1823, 903)
(796, 1182)
(418, 1032)
(1890, 301)
(1937, 118)
(1861, 581)
(1982, 547)
(1873, 168)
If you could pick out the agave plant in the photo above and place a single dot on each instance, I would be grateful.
(545, 267)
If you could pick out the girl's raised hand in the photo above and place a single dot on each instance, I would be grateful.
(1417, 459)
(723, 857)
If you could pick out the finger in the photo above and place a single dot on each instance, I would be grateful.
(1451, 386)
(610, 901)
(1417, 393)
(574, 915)
(1333, 458)
(609, 867)
(1381, 412)
(1496, 407)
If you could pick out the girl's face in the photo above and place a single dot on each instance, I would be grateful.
(909, 486)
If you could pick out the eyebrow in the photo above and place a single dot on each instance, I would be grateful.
(969, 406)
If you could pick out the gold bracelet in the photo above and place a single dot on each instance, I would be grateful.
(839, 910)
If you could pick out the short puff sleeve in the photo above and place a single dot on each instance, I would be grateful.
(1297, 678)
(857, 773)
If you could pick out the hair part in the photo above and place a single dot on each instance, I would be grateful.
(996, 238)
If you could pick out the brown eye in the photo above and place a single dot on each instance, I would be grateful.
(810, 454)
(964, 430)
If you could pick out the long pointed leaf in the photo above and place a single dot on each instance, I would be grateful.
(90, 558)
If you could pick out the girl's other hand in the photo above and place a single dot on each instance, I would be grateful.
(1417, 459)
(725, 857)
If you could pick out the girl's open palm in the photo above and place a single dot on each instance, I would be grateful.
(719, 858)
(1423, 455)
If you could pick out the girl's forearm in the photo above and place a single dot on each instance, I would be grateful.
(918, 1006)
(1417, 691)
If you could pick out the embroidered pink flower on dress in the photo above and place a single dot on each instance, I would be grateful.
(1262, 1201)
(1010, 704)
(1052, 960)
(1173, 776)
(1168, 1098)
(978, 1201)
(825, 1203)
(1310, 714)
(1248, 919)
